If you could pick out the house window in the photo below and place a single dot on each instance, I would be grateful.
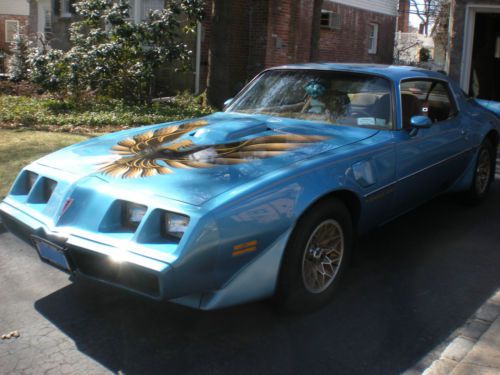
(131, 10)
(11, 30)
(372, 38)
(66, 8)
(148, 5)
(330, 20)
(48, 20)
(139, 9)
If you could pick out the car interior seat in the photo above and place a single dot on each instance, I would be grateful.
(411, 107)
(381, 109)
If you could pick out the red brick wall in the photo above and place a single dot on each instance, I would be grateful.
(243, 37)
(350, 42)
(278, 33)
(234, 43)
(257, 36)
(304, 30)
(228, 52)
(23, 22)
(289, 32)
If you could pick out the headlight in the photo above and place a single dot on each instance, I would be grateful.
(132, 214)
(175, 224)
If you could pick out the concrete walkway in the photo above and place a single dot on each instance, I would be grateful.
(476, 348)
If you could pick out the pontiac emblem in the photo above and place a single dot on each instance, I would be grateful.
(66, 205)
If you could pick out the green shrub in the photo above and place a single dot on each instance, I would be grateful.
(18, 64)
(114, 56)
(424, 54)
(28, 112)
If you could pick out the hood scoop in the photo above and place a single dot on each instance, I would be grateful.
(232, 129)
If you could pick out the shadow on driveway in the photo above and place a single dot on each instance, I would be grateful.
(414, 282)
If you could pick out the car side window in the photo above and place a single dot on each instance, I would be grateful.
(426, 98)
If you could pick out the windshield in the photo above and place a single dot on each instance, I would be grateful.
(333, 97)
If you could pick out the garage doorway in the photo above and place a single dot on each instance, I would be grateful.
(485, 61)
(481, 45)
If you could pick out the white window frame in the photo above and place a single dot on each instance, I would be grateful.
(47, 14)
(372, 38)
(144, 11)
(7, 30)
(468, 41)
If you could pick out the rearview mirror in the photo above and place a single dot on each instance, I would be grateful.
(420, 122)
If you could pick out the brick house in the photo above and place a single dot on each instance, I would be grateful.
(13, 20)
(239, 38)
(52, 19)
(474, 47)
(242, 37)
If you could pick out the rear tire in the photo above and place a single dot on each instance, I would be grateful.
(315, 258)
(483, 174)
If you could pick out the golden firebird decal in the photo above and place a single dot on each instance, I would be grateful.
(157, 152)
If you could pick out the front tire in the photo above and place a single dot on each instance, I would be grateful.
(483, 173)
(316, 257)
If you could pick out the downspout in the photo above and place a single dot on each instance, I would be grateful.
(397, 36)
(197, 73)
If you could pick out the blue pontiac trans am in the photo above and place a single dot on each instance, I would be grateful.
(261, 200)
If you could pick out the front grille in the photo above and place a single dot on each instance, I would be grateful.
(121, 274)
(96, 265)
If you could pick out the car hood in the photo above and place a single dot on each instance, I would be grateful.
(194, 161)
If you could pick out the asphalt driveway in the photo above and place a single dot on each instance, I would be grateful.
(414, 282)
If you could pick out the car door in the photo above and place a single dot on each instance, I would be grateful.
(430, 159)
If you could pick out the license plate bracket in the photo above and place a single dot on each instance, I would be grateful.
(51, 253)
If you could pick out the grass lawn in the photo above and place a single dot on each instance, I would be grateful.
(19, 148)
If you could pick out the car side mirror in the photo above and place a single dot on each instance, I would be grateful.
(420, 122)
(228, 102)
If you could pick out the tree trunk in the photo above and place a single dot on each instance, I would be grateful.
(218, 75)
(315, 32)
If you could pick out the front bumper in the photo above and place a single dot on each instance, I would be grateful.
(92, 259)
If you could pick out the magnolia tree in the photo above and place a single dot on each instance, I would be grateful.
(18, 63)
(114, 56)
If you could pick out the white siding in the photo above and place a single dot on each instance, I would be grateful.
(389, 7)
(14, 7)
